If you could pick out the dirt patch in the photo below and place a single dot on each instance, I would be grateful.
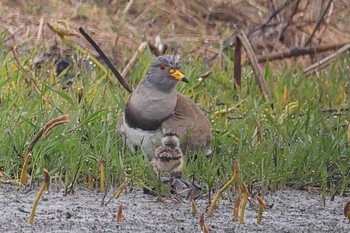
(291, 211)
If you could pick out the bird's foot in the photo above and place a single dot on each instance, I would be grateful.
(159, 199)
(176, 198)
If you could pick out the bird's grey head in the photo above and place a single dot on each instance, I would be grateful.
(171, 139)
(164, 73)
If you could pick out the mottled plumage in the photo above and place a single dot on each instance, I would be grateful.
(168, 158)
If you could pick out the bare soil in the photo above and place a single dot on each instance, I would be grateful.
(290, 211)
(195, 25)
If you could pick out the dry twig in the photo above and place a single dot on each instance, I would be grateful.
(255, 65)
(295, 52)
(133, 60)
(204, 226)
(101, 171)
(324, 62)
(273, 15)
(319, 22)
(245, 197)
(262, 206)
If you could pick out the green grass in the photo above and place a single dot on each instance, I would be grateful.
(306, 145)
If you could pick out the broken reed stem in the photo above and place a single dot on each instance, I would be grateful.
(236, 209)
(325, 61)
(43, 132)
(255, 65)
(244, 202)
(90, 182)
(133, 60)
(118, 192)
(101, 172)
(128, 6)
(223, 188)
(45, 186)
(120, 216)
(204, 226)
(347, 210)
(193, 207)
(262, 206)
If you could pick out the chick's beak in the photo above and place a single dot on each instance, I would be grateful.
(176, 74)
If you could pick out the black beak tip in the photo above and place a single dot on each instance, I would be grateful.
(184, 79)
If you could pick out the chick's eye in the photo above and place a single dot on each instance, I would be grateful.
(162, 67)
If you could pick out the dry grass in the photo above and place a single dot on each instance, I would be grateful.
(199, 28)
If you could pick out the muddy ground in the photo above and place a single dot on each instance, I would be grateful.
(291, 211)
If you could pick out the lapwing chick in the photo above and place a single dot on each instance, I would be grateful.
(168, 158)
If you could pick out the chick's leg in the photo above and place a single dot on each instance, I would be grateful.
(159, 187)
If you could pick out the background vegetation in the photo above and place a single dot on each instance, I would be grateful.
(276, 146)
(300, 138)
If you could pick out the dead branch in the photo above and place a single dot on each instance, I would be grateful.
(281, 34)
(273, 15)
(255, 65)
(297, 51)
(106, 60)
(324, 62)
(318, 24)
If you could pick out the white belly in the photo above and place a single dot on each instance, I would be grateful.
(147, 140)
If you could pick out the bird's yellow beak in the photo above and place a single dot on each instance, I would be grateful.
(176, 74)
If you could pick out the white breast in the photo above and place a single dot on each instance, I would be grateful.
(147, 140)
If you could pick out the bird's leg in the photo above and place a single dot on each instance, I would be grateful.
(174, 175)
(159, 187)
(170, 182)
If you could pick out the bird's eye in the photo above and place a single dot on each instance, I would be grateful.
(162, 67)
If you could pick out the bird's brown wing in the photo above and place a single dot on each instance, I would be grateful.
(189, 122)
